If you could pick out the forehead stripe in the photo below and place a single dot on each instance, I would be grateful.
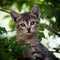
(18, 18)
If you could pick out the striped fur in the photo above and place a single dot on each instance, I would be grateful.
(27, 25)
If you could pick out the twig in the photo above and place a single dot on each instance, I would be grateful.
(55, 51)
(4, 11)
(51, 29)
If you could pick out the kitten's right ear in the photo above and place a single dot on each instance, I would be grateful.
(36, 10)
(14, 15)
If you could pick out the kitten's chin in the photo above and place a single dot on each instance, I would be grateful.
(29, 33)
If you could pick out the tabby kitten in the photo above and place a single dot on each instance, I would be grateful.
(27, 24)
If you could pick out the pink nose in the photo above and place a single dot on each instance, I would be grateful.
(29, 30)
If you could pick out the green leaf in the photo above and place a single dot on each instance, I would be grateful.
(2, 30)
(11, 25)
(6, 16)
(41, 34)
(40, 29)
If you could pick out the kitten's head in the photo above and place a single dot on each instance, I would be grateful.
(27, 22)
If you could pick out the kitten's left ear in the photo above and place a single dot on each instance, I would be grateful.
(36, 10)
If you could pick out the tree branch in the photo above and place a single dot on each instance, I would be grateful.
(50, 29)
(55, 51)
(4, 11)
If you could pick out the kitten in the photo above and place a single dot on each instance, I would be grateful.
(27, 24)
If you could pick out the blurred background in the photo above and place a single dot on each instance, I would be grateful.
(49, 19)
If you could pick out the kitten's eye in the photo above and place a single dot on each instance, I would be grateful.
(32, 23)
(22, 25)
(37, 22)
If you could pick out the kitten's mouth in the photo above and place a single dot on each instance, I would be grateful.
(30, 33)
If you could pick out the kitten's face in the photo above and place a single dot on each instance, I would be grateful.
(27, 22)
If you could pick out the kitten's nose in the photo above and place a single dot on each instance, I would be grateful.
(29, 30)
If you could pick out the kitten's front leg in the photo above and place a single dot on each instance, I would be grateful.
(35, 53)
(36, 57)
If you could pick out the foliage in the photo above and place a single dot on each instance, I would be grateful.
(9, 50)
(11, 25)
(4, 54)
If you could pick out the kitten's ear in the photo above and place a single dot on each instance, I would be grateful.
(36, 10)
(14, 15)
